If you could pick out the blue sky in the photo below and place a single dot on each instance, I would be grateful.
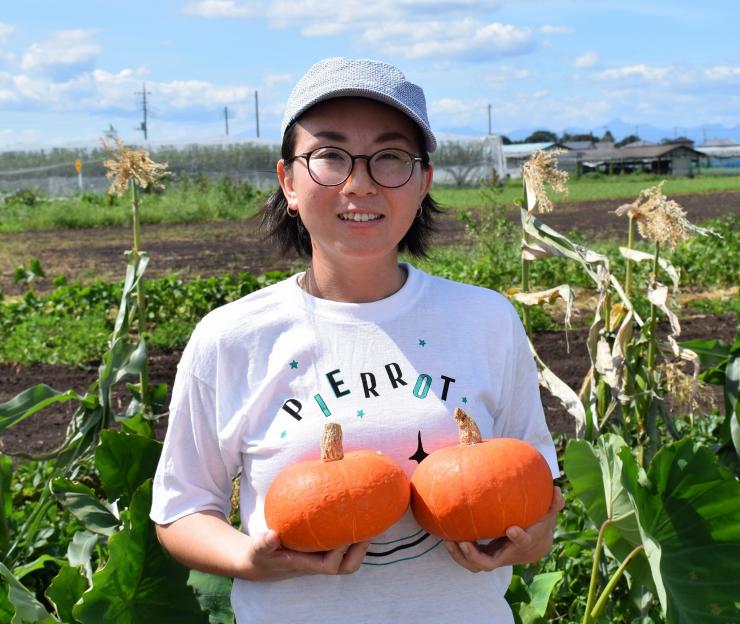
(69, 69)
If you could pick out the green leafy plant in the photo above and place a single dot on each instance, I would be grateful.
(674, 527)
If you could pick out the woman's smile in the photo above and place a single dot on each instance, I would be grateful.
(357, 220)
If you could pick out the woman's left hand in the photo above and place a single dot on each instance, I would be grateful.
(518, 546)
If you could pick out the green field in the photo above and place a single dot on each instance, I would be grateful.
(198, 199)
(597, 186)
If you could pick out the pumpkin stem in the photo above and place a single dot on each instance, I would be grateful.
(469, 432)
(331, 442)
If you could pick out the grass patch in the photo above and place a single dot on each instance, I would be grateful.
(595, 187)
(186, 201)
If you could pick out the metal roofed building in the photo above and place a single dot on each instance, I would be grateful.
(677, 159)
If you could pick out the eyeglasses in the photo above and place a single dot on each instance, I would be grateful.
(331, 166)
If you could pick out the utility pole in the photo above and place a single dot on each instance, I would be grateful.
(489, 119)
(257, 113)
(226, 119)
(143, 126)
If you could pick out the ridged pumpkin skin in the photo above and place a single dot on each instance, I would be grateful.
(471, 492)
(321, 505)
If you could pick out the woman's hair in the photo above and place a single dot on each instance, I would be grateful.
(290, 233)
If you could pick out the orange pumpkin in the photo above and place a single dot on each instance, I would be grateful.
(337, 500)
(475, 490)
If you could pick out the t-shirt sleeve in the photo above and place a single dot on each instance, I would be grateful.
(194, 472)
(522, 415)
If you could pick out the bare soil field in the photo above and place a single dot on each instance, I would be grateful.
(215, 248)
(205, 249)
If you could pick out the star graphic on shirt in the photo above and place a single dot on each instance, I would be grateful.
(464, 399)
(422, 343)
(294, 364)
(360, 413)
(283, 434)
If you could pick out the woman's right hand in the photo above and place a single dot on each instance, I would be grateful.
(204, 540)
(267, 560)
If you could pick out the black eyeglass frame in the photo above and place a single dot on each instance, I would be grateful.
(353, 157)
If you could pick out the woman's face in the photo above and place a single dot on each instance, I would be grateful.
(360, 126)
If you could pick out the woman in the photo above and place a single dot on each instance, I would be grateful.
(379, 346)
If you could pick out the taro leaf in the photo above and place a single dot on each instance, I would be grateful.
(541, 588)
(79, 551)
(82, 502)
(65, 590)
(27, 608)
(688, 510)
(711, 352)
(139, 582)
(7, 611)
(529, 602)
(732, 386)
(124, 462)
(6, 500)
(517, 591)
(214, 595)
(36, 564)
(137, 424)
(30, 401)
(594, 471)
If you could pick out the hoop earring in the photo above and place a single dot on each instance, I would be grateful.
(418, 212)
(291, 213)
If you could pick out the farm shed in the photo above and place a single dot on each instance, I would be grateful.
(676, 159)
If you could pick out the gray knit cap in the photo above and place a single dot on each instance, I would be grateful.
(339, 77)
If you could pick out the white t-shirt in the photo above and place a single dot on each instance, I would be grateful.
(261, 376)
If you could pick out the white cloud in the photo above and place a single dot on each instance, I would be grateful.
(456, 112)
(504, 73)
(272, 80)
(408, 28)
(220, 8)
(641, 71)
(587, 59)
(6, 30)
(721, 72)
(464, 39)
(63, 50)
(103, 92)
(551, 29)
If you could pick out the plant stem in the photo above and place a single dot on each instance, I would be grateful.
(525, 288)
(653, 322)
(599, 606)
(525, 270)
(628, 271)
(595, 571)
(140, 301)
